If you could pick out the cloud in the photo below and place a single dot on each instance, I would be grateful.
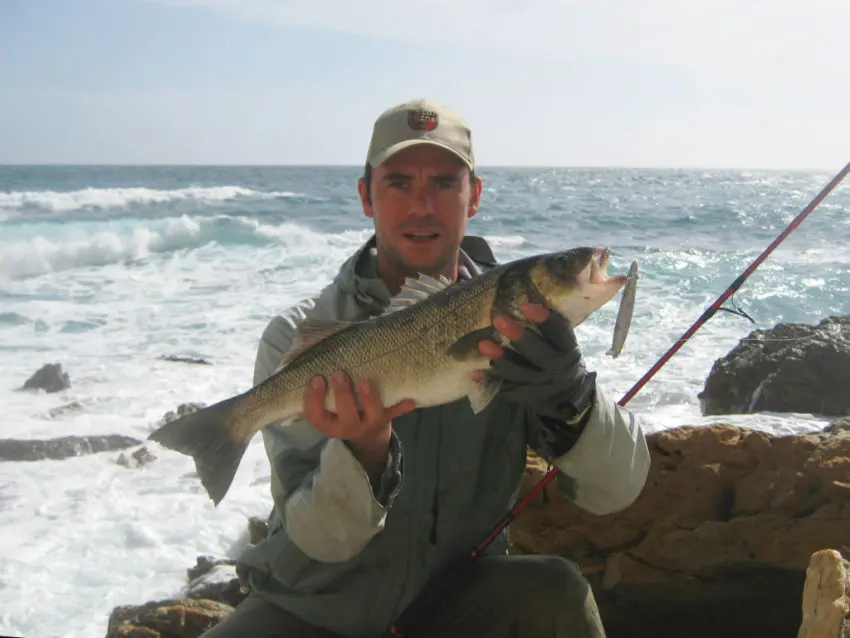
(715, 35)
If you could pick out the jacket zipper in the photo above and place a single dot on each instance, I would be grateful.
(435, 501)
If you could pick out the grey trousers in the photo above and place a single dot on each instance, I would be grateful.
(506, 597)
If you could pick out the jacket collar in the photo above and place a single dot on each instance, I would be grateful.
(358, 275)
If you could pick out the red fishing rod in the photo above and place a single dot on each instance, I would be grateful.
(454, 574)
(553, 472)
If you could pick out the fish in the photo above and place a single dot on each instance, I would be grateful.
(624, 314)
(422, 346)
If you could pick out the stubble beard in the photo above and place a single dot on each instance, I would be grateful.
(400, 268)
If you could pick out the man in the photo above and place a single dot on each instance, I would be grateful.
(369, 507)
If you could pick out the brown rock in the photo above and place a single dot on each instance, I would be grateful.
(184, 618)
(719, 541)
(826, 597)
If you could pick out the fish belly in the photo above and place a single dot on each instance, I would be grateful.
(440, 382)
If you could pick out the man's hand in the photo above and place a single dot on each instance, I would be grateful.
(366, 431)
(543, 369)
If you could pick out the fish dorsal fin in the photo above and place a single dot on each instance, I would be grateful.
(309, 333)
(415, 290)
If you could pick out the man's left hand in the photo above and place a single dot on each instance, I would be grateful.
(543, 369)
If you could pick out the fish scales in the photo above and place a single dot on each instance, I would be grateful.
(424, 347)
(405, 354)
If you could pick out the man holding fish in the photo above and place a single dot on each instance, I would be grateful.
(396, 408)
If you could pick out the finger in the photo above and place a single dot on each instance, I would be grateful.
(314, 406)
(346, 405)
(508, 327)
(373, 409)
(535, 312)
(399, 409)
(490, 349)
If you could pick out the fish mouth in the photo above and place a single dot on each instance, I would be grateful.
(599, 265)
(599, 269)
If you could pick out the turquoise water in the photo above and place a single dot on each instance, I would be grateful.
(105, 269)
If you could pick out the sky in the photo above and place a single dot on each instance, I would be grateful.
(656, 83)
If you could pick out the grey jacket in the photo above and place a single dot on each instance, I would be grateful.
(345, 558)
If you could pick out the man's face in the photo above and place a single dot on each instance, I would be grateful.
(421, 200)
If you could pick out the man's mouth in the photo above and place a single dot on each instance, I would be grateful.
(421, 236)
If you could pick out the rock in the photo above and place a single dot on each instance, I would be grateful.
(826, 597)
(62, 447)
(50, 378)
(62, 410)
(220, 583)
(139, 458)
(182, 409)
(173, 618)
(258, 529)
(839, 427)
(788, 368)
(179, 359)
(205, 564)
(720, 539)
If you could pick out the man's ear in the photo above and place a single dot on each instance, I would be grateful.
(365, 198)
(475, 197)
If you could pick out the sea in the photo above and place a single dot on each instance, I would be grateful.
(107, 269)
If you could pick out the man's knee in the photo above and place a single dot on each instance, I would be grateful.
(551, 582)
(260, 618)
(556, 598)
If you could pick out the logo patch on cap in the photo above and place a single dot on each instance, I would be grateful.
(421, 120)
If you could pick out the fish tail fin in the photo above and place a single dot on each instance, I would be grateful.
(205, 436)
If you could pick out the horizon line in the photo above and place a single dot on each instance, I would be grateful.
(360, 166)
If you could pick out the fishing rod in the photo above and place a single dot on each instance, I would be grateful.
(708, 314)
(456, 571)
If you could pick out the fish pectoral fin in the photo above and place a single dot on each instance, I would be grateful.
(309, 333)
(467, 346)
(415, 290)
(484, 392)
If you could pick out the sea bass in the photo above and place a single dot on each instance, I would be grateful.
(423, 347)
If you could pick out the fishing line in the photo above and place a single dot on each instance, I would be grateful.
(438, 588)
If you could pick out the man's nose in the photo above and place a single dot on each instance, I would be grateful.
(421, 203)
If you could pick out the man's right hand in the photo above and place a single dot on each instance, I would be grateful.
(366, 431)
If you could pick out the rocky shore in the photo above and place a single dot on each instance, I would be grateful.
(737, 533)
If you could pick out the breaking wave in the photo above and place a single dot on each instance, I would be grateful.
(93, 245)
(103, 198)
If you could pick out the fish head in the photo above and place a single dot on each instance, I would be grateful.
(576, 282)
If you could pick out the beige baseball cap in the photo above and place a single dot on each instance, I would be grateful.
(420, 121)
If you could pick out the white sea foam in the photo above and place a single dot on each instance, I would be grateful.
(87, 198)
(83, 535)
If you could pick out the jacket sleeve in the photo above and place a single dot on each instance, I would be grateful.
(323, 498)
(605, 467)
